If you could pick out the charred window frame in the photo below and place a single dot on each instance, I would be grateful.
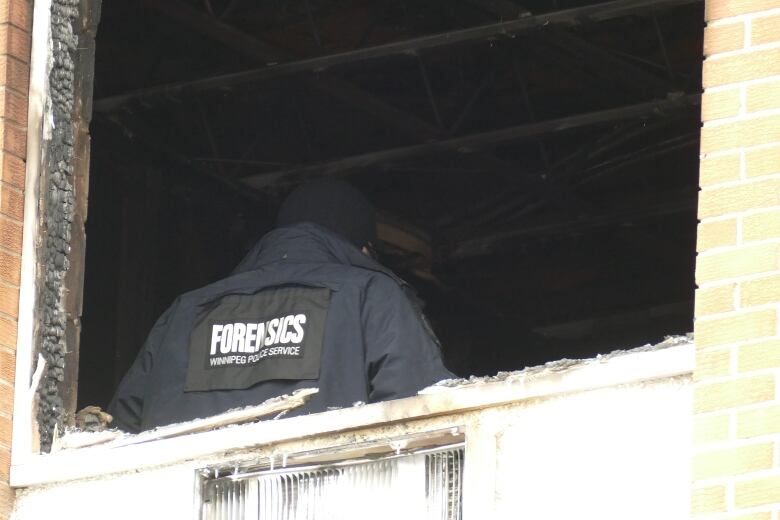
(61, 173)
(62, 71)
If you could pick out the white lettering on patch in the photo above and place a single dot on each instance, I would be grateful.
(216, 330)
(226, 338)
(240, 343)
(298, 323)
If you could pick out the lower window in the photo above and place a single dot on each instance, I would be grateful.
(425, 484)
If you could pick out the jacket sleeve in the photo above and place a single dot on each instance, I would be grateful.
(127, 405)
(402, 353)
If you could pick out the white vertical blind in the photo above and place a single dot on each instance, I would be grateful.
(424, 486)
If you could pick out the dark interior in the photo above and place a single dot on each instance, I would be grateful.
(535, 162)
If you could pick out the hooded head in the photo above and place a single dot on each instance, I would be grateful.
(333, 204)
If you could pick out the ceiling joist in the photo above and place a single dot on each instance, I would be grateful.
(474, 142)
(273, 69)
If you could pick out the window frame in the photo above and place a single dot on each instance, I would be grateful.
(39, 127)
(30, 468)
(445, 406)
(344, 457)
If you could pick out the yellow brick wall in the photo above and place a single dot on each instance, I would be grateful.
(736, 432)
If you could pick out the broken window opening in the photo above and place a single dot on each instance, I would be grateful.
(538, 190)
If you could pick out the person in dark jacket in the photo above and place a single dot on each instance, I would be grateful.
(307, 307)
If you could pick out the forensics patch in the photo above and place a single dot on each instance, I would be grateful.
(244, 339)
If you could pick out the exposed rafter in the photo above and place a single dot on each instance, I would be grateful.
(474, 142)
(413, 127)
(487, 244)
(568, 17)
(262, 52)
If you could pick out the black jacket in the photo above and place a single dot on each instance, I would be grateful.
(305, 308)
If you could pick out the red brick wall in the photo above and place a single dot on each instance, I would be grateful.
(15, 27)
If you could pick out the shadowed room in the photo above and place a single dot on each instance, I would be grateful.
(534, 162)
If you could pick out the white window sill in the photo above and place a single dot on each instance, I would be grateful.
(101, 460)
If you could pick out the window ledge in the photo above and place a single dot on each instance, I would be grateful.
(553, 379)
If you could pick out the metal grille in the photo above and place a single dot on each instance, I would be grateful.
(421, 486)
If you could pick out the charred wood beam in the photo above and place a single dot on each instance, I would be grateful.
(634, 76)
(540, 199)
(474, 142)
(488, 244)
(564, 175)
(488, 210)
(567, 17)
(268, 54)
(647, 153)
(349, 94)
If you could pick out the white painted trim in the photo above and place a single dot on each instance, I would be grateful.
(598, 373)
(242, 415)
(38, 130)
(481, 461)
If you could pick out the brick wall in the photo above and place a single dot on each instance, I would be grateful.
(15, 27)
(736, 465)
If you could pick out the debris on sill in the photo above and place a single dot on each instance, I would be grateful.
(356, 404)
(80, 438)
(89, 434)
(92, 419)
(559, 365)
(73, 438)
